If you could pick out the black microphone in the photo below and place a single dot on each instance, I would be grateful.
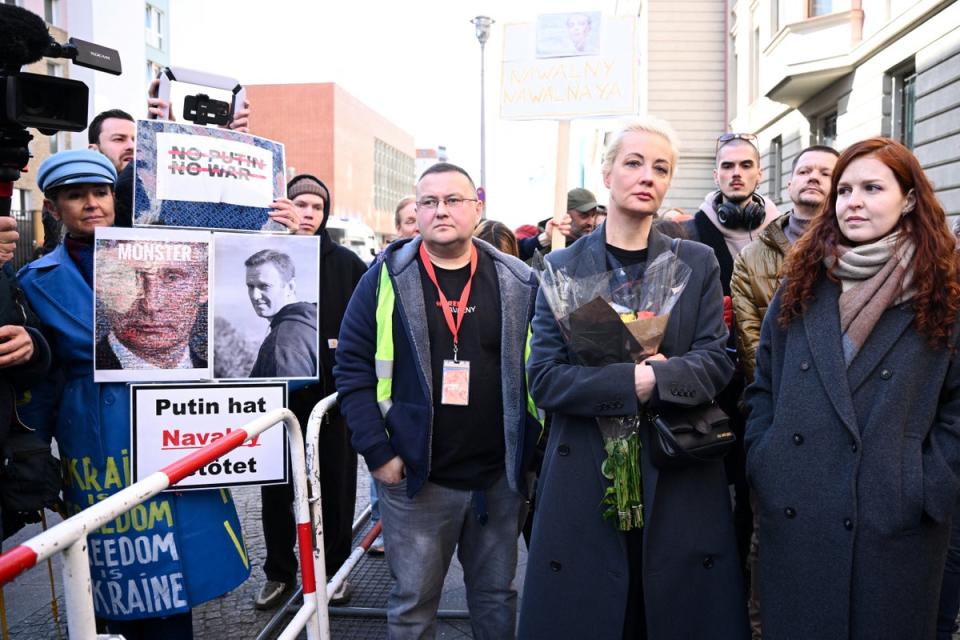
(23, 36)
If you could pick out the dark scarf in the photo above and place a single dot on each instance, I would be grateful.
(81, 251)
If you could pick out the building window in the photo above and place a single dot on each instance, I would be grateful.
(18, 202)
(819, 7)
(734, 79)
(153, 70)
(394, 175)
(154, 27)
(776, 168)
(774, 17)
(904, 103)
(55, 70)
(51, 10)
(755, 65)
(54, 143)
(826, 129)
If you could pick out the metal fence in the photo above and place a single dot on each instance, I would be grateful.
(28, 242)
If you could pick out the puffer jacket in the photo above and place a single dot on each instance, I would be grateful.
(755, 279)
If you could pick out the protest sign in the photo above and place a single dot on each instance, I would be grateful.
(205, 169)
(265, 319)
(204, 177)
(151, 305)
(560, 68)
(171, 421)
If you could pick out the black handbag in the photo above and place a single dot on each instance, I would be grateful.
(682, 436)
(29, 479)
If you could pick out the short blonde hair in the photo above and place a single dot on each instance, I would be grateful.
(649, 124)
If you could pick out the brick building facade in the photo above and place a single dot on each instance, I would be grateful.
(366, 160)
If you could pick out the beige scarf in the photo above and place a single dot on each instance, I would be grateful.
(874, 277)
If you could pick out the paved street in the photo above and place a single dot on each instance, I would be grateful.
(233, 616)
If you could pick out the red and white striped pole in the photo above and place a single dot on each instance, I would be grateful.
(70, 536)
(312, 445)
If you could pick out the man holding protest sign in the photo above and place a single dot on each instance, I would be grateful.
(113, 133)
(340, 271)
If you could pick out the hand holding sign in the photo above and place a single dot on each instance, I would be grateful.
(283, 211)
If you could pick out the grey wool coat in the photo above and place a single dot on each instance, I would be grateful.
(855, 471)
(577, 577)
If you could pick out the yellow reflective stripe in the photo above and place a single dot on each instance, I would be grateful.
(384, 354)
(531, 405)
(237, 543)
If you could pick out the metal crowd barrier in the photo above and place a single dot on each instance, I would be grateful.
(70, 536)
(314, 425)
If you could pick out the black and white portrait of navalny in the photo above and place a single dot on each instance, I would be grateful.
(152, 301)
(265, 323)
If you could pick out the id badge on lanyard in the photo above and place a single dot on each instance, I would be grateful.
(456, 383)
(455, 389)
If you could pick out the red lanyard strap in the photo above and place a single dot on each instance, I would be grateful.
(444, 303)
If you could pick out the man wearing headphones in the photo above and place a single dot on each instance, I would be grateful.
(733, 215)
(728, 220)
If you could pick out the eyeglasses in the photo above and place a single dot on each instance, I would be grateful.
(452, 203)
(730, 137)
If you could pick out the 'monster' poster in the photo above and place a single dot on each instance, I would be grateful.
(152, 300)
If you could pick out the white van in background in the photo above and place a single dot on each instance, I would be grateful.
(354, 235)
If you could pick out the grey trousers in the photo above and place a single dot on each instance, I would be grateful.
(421, 534)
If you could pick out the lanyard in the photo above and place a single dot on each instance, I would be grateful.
(444, 303)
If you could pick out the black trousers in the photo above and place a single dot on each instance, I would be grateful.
(338, 492)
(736, 464)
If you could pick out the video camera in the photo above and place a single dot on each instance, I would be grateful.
(46, 103)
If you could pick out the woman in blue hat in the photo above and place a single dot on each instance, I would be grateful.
(151, 565)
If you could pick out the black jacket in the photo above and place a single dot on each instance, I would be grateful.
(15, 311)
(15, 380)
(340, 271)
(290, 349)
(700, 229)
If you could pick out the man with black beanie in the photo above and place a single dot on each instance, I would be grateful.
(340, 270)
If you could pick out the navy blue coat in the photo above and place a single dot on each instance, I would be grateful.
(855, 472)
(577, 577)
(407, 430)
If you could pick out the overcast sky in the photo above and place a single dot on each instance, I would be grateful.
(415, 62)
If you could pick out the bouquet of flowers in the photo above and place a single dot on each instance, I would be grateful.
(611, 317)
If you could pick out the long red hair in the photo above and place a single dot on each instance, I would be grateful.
(935, 264)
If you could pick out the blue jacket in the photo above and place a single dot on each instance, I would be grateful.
(407, 430)
(165, 556)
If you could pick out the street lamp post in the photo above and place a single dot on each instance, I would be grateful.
(482, 24)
